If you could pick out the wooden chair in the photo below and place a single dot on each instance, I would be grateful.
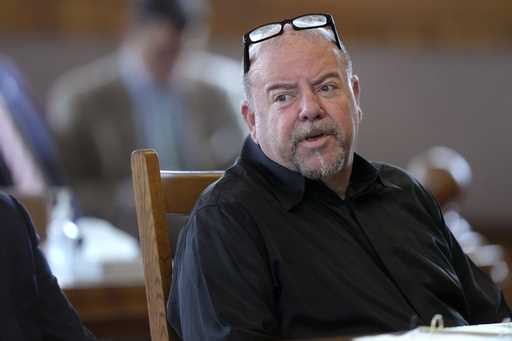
(159, 193)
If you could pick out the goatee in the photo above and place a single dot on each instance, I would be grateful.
(327, 167)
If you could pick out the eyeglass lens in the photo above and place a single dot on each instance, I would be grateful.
(310, 21)
(264, 32)
(274, 29)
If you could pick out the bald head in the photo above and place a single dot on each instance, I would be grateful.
(279, 47)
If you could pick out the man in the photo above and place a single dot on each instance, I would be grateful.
(143, 96)
(33, 306)
(304, 238)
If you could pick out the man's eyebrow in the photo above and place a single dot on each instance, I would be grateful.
(328, 75)
(292, 85)
(282, 85)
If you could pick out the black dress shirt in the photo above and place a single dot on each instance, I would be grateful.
(268, 254)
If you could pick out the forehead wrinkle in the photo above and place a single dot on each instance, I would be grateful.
(291, 39)
(308, 34)
(314, 55)
(315, 36)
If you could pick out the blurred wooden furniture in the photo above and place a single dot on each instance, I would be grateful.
(475, 23)
(157, 194)
(109, 310)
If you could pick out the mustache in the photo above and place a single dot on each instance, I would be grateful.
(307, 130)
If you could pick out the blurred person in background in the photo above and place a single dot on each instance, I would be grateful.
(447, 175)
(156, 91)
(28, 158)
(30, 167)
(33, 307)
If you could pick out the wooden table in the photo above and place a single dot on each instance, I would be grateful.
(111, 311)
(108, 293)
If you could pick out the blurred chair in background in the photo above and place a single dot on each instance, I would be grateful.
(447, 175)
(154, 92)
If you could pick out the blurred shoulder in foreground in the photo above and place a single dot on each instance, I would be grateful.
(33, 306)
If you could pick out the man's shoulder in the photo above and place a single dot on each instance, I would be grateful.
(16, 222)
(78, 86)
(208, 81)
(87, 78)
(203, 95)
(85, 90)
(195, 86)
(410, 190)
(213, 72)
(238, 193)
(11, 211)
(6, 203)
(233, 188)
(394, 176)
(232, 212)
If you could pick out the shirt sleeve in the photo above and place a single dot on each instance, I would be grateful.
(222, 287)
(485, 301)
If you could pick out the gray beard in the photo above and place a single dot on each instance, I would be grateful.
(327, 168)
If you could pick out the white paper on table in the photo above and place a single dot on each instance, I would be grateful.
(482, 332)
(116, 252)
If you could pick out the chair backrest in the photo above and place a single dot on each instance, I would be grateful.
(157, 194)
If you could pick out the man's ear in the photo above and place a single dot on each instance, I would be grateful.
(356, 89)
(249, 119)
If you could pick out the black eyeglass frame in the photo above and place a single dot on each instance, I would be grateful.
(247, 41)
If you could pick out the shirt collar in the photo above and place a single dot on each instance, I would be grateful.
(289, 186)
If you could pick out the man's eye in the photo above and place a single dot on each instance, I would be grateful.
(327, 87)
(282, 98)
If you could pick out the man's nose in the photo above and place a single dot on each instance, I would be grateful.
(310, 107)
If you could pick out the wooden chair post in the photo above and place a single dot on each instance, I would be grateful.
(154, 240)
(157, 194)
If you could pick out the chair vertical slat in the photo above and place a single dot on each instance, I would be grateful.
(157, 193)
(155, 246)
